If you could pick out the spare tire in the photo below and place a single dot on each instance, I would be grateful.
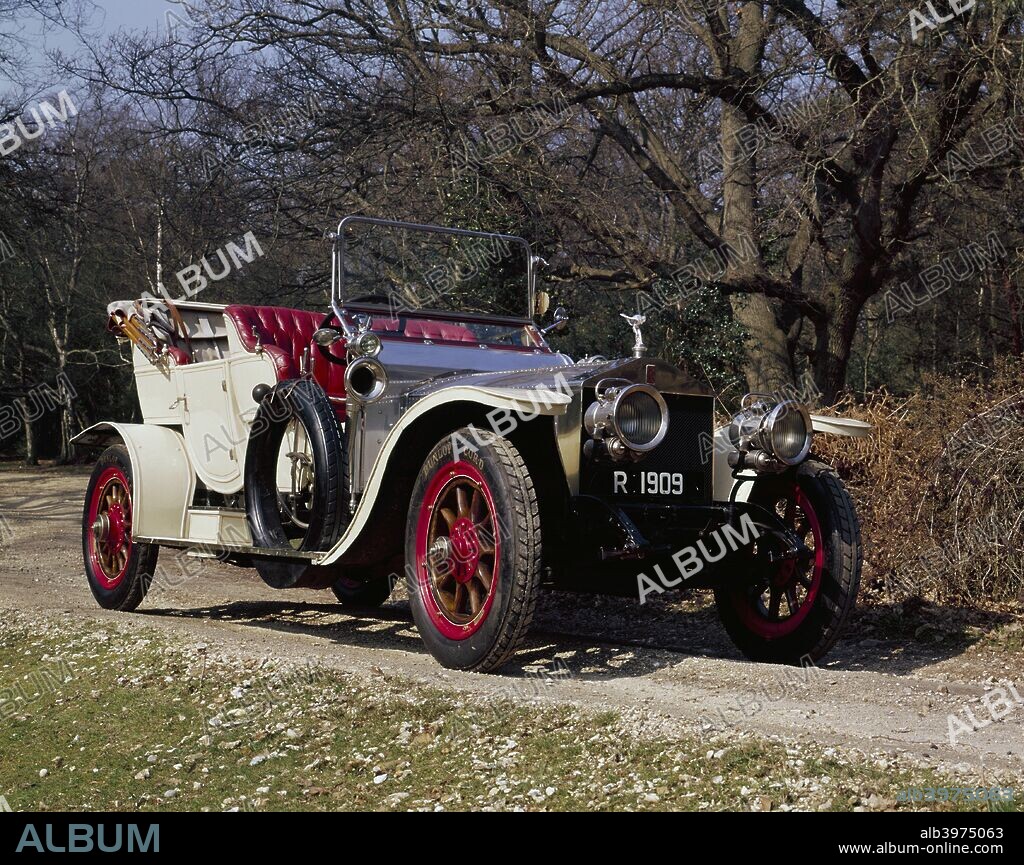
(306, 403)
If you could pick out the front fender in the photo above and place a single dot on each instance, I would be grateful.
(821, 424)
(526, 403)
(163, 478)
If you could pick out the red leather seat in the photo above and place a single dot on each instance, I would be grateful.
(424, 328)
(178, 355)
(284, 334)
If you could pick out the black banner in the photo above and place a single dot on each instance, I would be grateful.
(838, 836)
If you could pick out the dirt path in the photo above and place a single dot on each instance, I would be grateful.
(879, 691)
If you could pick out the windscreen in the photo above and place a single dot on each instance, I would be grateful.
(411, 268)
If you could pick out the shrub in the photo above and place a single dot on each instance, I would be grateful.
(938, 487)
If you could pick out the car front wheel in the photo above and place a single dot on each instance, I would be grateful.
(788, 610)
(473, 548)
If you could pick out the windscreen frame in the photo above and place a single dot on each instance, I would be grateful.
(338, 281)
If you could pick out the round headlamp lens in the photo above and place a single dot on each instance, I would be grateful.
(789, 433)
(369, 345)
(641, 418)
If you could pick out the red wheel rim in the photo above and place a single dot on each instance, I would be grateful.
(109, 528)
(776, 606)
(458, 551)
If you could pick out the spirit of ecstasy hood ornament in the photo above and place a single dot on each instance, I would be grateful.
(635, 321)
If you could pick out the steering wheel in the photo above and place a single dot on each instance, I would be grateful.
(324, 350)
(508, 337)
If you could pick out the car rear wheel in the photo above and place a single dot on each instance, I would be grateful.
(473, 548)
(359, 592)
(119, 569)
(793, 611)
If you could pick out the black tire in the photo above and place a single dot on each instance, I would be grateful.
(508, 545)
(306, 402)
(106, 537)
(835, 597)
(357, 593)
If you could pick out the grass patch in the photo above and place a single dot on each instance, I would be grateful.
(99, 718)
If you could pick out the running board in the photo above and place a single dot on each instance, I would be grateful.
(208, 550)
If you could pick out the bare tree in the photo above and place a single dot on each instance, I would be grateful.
(832, 126)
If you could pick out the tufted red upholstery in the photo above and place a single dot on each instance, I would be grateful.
(423, 328)
(284, 335)
(178, 355)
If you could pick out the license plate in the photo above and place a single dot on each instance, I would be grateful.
(641, 483)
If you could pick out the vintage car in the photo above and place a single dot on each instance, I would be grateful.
(425, 429)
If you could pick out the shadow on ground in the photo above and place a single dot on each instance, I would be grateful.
(597, 637)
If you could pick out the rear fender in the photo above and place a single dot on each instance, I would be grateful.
(164, 481)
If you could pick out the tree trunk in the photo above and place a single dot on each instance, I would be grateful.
(67, 432)
(1016, 333)
(67, 423)
(835, 342)
(31, 458)
(769, 365)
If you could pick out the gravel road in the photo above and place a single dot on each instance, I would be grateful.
(888, 687)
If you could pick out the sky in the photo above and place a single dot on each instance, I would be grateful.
(113, 15)
(132, 14)
(108, 17)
